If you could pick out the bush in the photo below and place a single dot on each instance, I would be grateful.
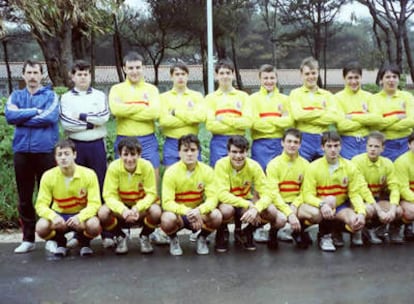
(8, 194)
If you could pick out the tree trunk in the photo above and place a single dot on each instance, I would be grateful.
(118, 50)
(93, 58)
(408, 52)
(6, 61)
(236, 66)
(203, 48)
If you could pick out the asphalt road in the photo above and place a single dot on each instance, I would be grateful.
(382, 274)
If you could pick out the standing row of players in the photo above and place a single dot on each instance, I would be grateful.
(227, 111)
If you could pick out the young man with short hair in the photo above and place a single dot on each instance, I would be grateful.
(397, 109)
(84, 113)
(405, 173)
(228, 111)
(68, 200)
(236, 176)
(313, 110)
(130, 196)
(285, 177)
(379, 173)
(270, 113)
(34, 111)
(356, 109)
(189, 197)
(331, 191)
(135, 105)
(182, 111)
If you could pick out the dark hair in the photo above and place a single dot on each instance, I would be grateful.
(188, 139)
(32, 63)
(310, 62)
(65, 143)
(330, 136)
(292, 131)
(132, 56)
(80, 65)
(390, 67)
(267, 68)
(410, 137)
(179, 65)
(131, 143)
(377, 135)
(353, 66)
(239, 142)
(224, 64)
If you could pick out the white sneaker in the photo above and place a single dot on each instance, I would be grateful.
(193, 236)
(373, 238)
(72, 243)
(86, 251)
(326, 243)
(175, 248)
(25, 247)
(285, 234)
(202, 247)
(121, 245)
(261, 235)
(51, 246)
(158, 237)
(145, 244)
(356, 239)
(108, 243)
(61, 252)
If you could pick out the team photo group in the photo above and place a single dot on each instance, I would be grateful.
(342, 161)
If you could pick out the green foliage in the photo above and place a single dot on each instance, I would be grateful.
(60, 90)
(371, 87)
(8, 195)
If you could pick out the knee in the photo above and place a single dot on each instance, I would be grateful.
(227, 212)
(92, 226)
(155, 211)
(280, 220)
(43, 227)
(370, 211)
(169, 222)
(104, 213)
(216, 218)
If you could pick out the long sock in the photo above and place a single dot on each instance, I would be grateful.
(249, 229)
(146, 230)
(60, 239)
(205, 233)
(325, 227)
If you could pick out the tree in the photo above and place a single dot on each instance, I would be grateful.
(392, 17)
(53, 29)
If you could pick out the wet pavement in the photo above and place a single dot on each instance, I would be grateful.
(381, 274)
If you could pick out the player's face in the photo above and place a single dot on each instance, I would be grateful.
(268, 80)
(353, 81)
(332, 149)
(129, 158)
(390, 82)
(82, 80)
(32, 76)
(309, 77)
(225, 77)
(188, 154)
(291, 145)
(65, 157)
(134, 71)
(374, 148)
(237, 157)
(179, 78)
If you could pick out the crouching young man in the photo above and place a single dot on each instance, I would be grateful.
(236, 176)
(188, 197)
(331, 194)
(68, 200)
(130, 196)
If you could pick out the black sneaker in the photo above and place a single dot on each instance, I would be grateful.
(221, 244)
(408, 232)
(273, 242)
(248, 241)
(302, 239)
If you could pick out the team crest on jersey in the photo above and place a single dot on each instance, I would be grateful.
(200, 186)
(383, 180)
(238, 105)
(364, 107)
(345, 181)
(246, 184)
(300, 178)
(324, 103)
(145, 96)
(140, 185)
(190, 104)
(82, 192)
(403, 105)
(280, 107)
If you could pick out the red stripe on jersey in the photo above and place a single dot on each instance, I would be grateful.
(138, 102)
(189, 193)
(312, 108)
(330, 193)
(393, 113)
(270, 114)
(356, 112)
(330, 187)
(232, 111)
